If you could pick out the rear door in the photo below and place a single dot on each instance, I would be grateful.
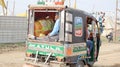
(72, 32)
(72, 26)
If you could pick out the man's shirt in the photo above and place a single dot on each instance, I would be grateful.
(55, 28)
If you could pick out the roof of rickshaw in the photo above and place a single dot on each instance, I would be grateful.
(88, 15)
(59, 7)
(53, 7)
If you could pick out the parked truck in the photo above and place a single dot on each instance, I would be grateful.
(70, 50)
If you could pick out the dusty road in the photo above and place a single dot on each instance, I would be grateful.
(109, 57)
(12, 59)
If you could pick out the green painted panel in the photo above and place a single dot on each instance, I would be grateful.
(46, 46)
(78, 49)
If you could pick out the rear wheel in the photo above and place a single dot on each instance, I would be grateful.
(90, 64)
(80, 64)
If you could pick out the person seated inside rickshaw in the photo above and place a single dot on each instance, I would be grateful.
(54, 34)
(89, 41)
(56, 27)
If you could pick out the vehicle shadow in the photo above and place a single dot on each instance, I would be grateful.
(116, 65)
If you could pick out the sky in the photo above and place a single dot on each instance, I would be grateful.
(86, 5)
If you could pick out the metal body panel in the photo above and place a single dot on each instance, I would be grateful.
(57, 50)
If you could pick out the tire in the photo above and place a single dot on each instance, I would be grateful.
(80, 64)
(90, 64)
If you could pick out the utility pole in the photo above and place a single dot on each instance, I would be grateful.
(75, 4)
(116, 19)
(7, 8)
(69, 3)
(3, 11)
(13, 8)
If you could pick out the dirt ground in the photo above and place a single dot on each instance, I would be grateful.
(109, 56)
